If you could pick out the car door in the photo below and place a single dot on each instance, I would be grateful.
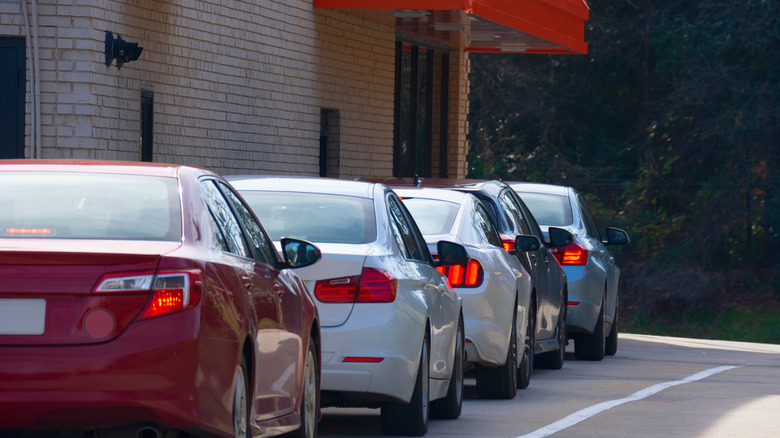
(600, 256)
(258, 280)
(425, 278)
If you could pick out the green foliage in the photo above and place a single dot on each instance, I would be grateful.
(671, 121)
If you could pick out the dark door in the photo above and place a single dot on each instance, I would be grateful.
(12, 90)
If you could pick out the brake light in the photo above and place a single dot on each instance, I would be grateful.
(363, 359)
(572, 254)
(508, 243)
(372, 286)
(172, 291)
(28, 231)
(469, 275)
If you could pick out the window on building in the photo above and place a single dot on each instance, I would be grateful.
(147, 124)
(329, 142)
(421, 109)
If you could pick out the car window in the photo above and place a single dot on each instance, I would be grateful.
(590, 224)
(224, 218)
(314, 216)
(266, 253)
(550, 210)
(403, 231)
(513, 212)
(485, 227)
(433, 216)
(85, 205)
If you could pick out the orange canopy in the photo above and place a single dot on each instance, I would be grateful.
(524, 26)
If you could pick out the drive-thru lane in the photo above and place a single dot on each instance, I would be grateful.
(653, 387)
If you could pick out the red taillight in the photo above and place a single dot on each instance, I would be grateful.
(172, 291)
(372, 286)
(363, 359)
(470, 275)
(572, 254)
(508, 243)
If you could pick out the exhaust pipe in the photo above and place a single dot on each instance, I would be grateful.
(149, 432)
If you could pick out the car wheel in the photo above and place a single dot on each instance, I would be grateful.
(449, 407)
(241, 402)
(611, 345)
(591, 346)
(500, 382)
(553, 360)
(411, 419)
(309, 397)
(527, 362)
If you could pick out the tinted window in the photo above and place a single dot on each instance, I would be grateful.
(226, 222)
(590, 225)
(485, 227)
(405, 231)
(513, 213)
(551, 210)
(60, 205)
(265, 251)
(432, 216)
(314, 217)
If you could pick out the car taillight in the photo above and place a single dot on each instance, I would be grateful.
(171, 291)
(572, 254)
(469, 275)
(508, 243)
(372, 286)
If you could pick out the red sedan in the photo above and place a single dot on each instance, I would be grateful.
(142, 299)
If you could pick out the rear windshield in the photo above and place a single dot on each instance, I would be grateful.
(549, 210)
(59, 205)
(433, 216)
(314, 217)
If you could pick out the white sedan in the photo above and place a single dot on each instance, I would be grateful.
(392, 327)
(495, 288)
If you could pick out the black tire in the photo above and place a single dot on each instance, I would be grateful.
(591, 346)
(309, 397)
(527, 362)
(553, 360)
(500, 382)
(611, 344)
(241, 400)
(411, 419)
(449, 408)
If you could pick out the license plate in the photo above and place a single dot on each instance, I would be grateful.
(22, 316)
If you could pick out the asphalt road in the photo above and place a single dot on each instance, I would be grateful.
(653, 387)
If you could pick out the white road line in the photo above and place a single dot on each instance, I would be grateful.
(588, 412)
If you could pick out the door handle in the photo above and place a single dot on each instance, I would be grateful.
(246, 281)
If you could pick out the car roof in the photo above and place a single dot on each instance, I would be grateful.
(333, 186)
(549, 189)
(93, 166)
(463, 183)
(431, 193)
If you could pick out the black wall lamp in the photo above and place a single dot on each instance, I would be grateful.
(121, 50)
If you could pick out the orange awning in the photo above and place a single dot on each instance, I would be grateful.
(520, 26)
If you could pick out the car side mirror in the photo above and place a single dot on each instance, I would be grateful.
(451, 253)
(299, 253)
(616, 236)
(525, 243)
(559, 237)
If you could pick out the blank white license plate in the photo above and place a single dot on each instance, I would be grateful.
(22, 316)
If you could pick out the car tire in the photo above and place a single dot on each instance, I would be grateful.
(527, 363)
(591, 346)
(449, 408)
(411, 419)
(309, 397)
(553, 360)
(611, 344)
(241, 402)
(500, 382)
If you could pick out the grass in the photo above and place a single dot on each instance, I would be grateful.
(740, 323)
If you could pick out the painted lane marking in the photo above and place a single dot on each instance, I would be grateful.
(591, 411)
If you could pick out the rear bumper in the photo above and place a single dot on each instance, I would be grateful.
(148, 374)
(581, 317)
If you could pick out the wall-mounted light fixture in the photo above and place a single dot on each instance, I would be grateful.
(121, 50)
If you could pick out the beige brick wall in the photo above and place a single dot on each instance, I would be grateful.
(238, 86)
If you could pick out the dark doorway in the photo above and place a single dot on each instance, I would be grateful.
(13, 81)
(147, 125)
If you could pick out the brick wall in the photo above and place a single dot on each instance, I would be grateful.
(238, 86)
